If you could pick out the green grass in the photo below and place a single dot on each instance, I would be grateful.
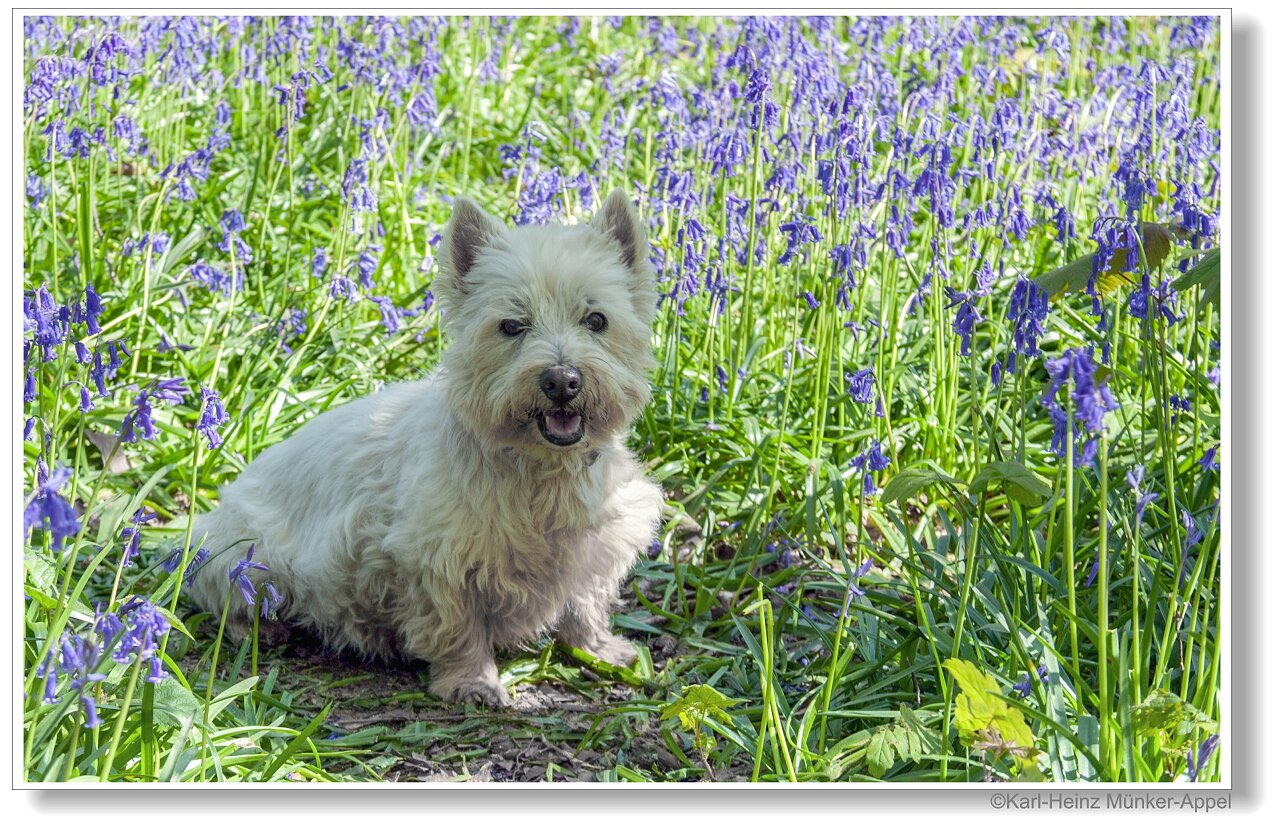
(980, 537)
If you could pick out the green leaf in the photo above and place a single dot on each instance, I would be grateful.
(173, 702)
(1207, 273)
(1018, 482)
(909, 483)
(41, 571)
(880, 752)
(982, 716)
(1074, 276)
(1164, 714)
(181, 250)
(696, 703)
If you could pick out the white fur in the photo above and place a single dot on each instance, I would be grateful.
(432, 518)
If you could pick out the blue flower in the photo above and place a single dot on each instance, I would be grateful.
(47, 509)
(871, 460)
(1197, 762)
(1134, 479)
(319, 261)
(862, 385)
(1028, 308)
(170, 391)
(967, 316)
(1023, 687)
(212, 416)
(238, 575)
(143, 624)
(133, 535)
(854, 590)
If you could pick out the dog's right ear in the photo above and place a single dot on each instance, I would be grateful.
(469, 231)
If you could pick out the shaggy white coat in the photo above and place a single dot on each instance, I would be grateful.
(433, 518)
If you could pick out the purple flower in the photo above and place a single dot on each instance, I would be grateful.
(271, 600)
(798, 232)
(854, 590)
(1023, 687)
(967, 317)
(1207, 461)
(77, 658)
(47, 509)
(367, 264)
(212, 416)
(47, 319)
(36, 190)
(215, 279)
(174, 559)
(238, 576)
(133, 535)
(862, 385)
(1134, 478)
(1028, 308)
(871, 460)
(355, 188)
(319, 261)
(1091, 398)
(143, 625)
(170, 391)
(1197, 762)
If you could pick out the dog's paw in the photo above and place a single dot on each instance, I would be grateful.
(615, 650)
(473, 690)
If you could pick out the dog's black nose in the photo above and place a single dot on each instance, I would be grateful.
(560, 383)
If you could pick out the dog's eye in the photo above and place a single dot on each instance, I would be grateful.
(512, 327)
(595, 322)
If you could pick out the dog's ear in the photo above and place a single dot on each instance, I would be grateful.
(470, 229)
(620, 222)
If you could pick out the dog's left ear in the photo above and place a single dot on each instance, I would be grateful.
(470, 231)
(620, 222)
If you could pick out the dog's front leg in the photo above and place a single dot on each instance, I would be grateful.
(585, 624)
(461, 656)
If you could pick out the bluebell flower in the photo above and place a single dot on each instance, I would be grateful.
(1134, 479)
(355, 189)
(871, 460)
(967, 317)
(862, 385)
(36, 190)
(1200, 758)
(212, 416)
(132, 535)
(341, 287)
(367, 264)
(854, 590)
(143, 626)
(214, 278)
(232, 223)
(49, 321)
(46, 508)
(319, 261)
(271, 600)
(239, 577)
(1091, 398)
(1028, 309)
(1023, 687)
(170, 391)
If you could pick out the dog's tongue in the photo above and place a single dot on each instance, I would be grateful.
(563, 424)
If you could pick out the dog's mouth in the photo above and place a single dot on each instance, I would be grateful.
(561, 427)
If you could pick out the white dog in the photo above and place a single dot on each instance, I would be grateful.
(488, 503)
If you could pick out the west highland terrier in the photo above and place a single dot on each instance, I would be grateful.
(487, 504)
